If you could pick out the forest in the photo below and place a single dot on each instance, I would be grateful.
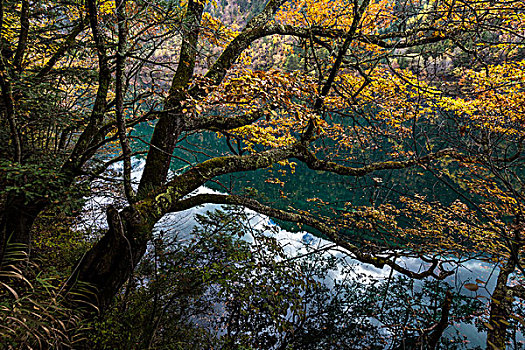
(262, 174)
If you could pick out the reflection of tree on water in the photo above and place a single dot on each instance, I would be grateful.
(279, 292)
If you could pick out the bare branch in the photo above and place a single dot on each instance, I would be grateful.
(221, 123)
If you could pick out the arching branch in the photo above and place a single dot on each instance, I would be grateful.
(256, 28)
(198, 175)
(330, 231)
(314, 163)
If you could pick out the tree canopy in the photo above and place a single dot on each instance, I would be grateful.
(420, 101)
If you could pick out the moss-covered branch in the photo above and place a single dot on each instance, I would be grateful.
(309, 158)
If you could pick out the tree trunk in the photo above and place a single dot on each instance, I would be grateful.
(158, 160)
(109, 264)
(18, 216)
(169, 126)
(500, 309)
(443, 322)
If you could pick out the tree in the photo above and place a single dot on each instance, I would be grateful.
(77, 76)
(486, 218)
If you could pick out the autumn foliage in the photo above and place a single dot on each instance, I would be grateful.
(419, 103)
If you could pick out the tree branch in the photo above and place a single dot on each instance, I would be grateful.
(256, 28)
(119, 97)
(22, 39)
(91, 136)
(385, 40)
(169, 126)
(7, 95)
(325, 228)
(62, 49)
(221, 123)
(314, 163)
(349, 37)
